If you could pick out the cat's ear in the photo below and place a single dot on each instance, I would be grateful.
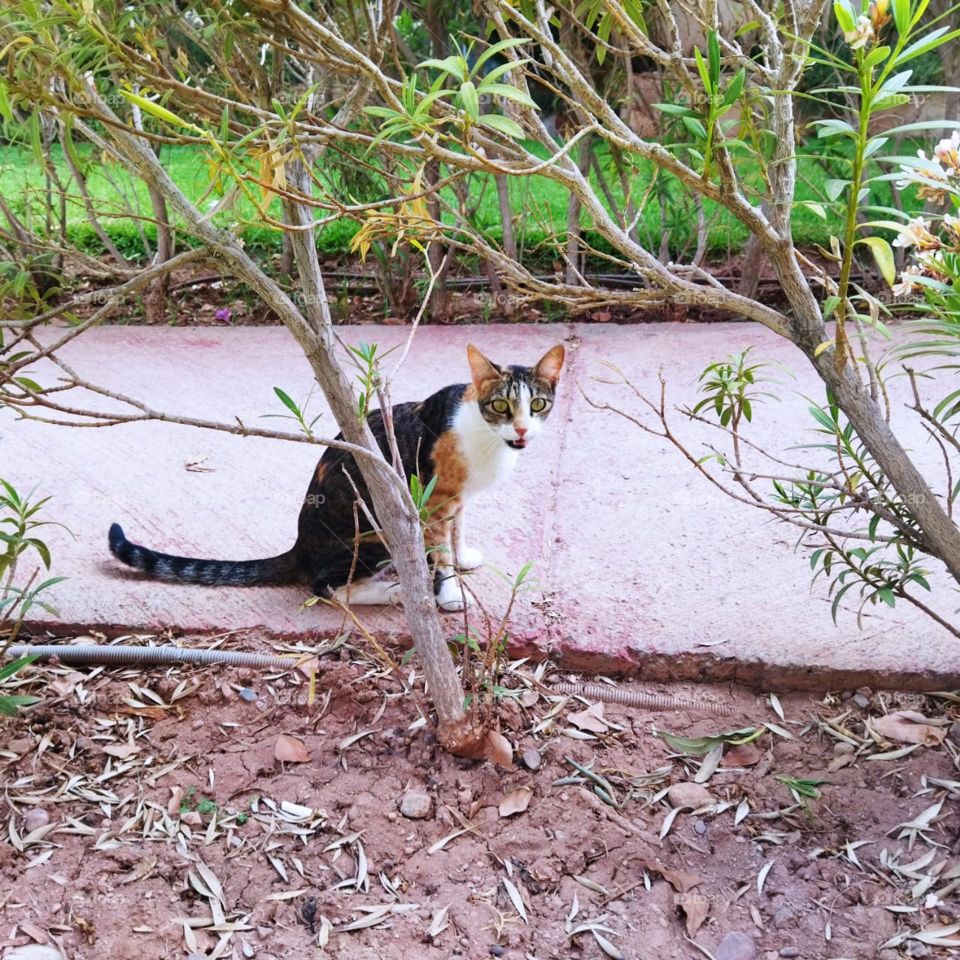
(549, 365)
(483, 371)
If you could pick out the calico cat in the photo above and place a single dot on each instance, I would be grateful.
(468, 436)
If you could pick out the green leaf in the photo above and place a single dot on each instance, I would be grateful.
(829, 305)
(835, 187)
(704, 70)
(470, 100)
(508, 93)
(10, 703)
(713, 53)
(161, 113)
(675, 109)
(508, 44)
(833, 127)
(735, 88)
(8, 670)
(697, 746)
(287, 402)
(883, 255)
(927, 43)
(452, 65)
(502, 124)
(845, 16)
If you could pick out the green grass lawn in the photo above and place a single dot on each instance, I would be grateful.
(539, 205)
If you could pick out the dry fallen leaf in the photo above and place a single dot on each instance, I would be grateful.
(909, 726)
(590, 719)
(290, 749)
(516, 801)
(695, 907)
(498, 750)
(680, 880)
(122, 750)
(742, 755)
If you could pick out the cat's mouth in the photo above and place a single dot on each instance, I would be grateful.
(516, 444)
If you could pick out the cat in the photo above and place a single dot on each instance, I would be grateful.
(468, 436)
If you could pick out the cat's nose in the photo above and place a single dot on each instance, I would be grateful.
(521, 431)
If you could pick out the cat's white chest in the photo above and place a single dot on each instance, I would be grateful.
(488, 459)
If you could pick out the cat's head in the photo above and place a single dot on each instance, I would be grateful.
(515, 401)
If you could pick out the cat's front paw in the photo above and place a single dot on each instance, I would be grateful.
(452, 597)
(469, 558)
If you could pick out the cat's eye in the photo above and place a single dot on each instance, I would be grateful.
(500, 406)
(538, 405)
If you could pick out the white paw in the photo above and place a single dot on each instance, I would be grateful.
(452, 597)
(469, 558)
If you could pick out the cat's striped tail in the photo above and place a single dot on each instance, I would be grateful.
(240, 573)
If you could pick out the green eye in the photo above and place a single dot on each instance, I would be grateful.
(538, 405)
(500, 406)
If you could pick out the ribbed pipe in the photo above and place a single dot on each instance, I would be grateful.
(638, 698)
(97, 654)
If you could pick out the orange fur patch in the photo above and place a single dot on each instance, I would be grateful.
(451, 473)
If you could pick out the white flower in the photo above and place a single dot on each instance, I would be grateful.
(916, 234)
(952, 224)
(908, 282)
(948, 151)
(861, 36)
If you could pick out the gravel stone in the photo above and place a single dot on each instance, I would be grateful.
(35, 818)
(736, 946)
(700, 828)
(416, 805)
(247, 694)
(689, 794)
(783, 917)
(789, 952)
(531, 759)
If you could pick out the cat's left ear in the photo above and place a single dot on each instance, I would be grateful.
(549, 365)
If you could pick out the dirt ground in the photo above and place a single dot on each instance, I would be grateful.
(147, 816)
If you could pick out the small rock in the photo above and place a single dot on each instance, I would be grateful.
(789, 952)
(247, 694)
(700, 828)
(861, 701)
(917, 949)
(416, 805)
(496, 950)
(736, 946)
(783, 917)
(35, 818)
(531, 759)
(953, 733)
(33, 951)
(843, 747)
(689, 794)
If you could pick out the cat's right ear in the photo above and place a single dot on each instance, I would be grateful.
(482, 370)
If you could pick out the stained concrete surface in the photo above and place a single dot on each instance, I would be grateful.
(639, 564)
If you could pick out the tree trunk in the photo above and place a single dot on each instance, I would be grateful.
(808, 331)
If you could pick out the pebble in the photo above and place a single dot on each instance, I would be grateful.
(416, 805)
(789, 952)
(496, 950)
(783, 917)
(917, 949)
(700, 828)
(954, 732)
(531, 759)
(736, 946)
(861, 701)
(35, 818)
(689, 794)
(247, 694)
